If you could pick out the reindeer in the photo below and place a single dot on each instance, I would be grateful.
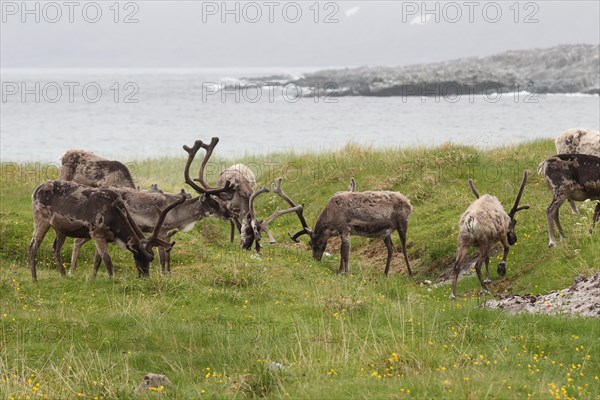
(578, 141)
(254, 227)
(483, 224)
(88, 169)
(74, 210)
(240, 177)
(368, 214)
(144, 207)
(570, 177)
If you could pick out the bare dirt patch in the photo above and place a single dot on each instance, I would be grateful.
(583, 298)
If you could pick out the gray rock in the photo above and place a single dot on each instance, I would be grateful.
(153, 381)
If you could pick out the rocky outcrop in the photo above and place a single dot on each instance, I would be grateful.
(559, 69)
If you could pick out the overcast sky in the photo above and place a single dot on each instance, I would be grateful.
(281, 34)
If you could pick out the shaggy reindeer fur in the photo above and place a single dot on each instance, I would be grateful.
(482, 225)
(581, 141)
(368, 214)
(89, 169)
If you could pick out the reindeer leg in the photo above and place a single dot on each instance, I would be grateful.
(232, 234)
(552, 209)
(162, 255)
(77, 243)
(461, 255)
(39, 231)
(102, 251)
(59, 241)
(235, 224)
(390, 249)
(595, 217)
(345, 254)
(402, 232)
(97, 262)
(168, 261)
(478, 263)
(487, 271)
(561, 233)
(502, 265)
(573, 207)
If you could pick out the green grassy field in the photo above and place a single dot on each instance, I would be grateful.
(229, 324)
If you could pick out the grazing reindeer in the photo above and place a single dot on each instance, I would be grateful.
(368, 214)
(79, 211)
(240, 176)
(578, 141)
(89, 169)
(144, 207)
(570, 177)
(253, 227)
(484, 224)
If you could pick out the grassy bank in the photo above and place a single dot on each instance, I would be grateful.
(227, 323)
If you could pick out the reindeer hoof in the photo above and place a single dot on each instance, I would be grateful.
(452, 296)
(551, 244)
(483, 292)
(502, 268)
(487, 281)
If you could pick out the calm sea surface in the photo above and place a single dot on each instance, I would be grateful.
(135, 114)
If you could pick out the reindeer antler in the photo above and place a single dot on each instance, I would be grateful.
(253, 219)
(161, 218)
(472, 186)
(276, 188)
(192, 151)
(515, 208)
(209, 149)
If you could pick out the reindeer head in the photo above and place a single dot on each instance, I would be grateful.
(137, 243)
(252, 227)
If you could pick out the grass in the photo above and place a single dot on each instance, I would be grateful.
(229, 324)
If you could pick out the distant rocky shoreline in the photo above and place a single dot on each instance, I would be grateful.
(559, 69)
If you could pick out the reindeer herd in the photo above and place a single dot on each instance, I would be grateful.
(96, 199)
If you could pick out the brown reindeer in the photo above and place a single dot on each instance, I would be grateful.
(240, 177)
(74, 210)
(578, 141)
(144, 205)
(570, 177)
(483, 225)
(368, 214)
